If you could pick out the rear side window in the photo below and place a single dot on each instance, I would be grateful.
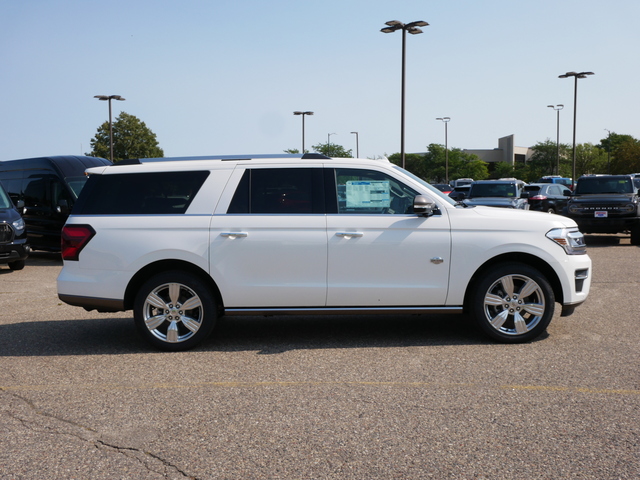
(279, 191)
(139, 193)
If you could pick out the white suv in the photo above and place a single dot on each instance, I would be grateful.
(184, 241)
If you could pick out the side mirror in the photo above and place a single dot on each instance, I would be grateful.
(422, 206)
(20, 204)
(63, 206)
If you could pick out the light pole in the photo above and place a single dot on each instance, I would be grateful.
(575, 104)
(303, 114)
(357, 147)
(329, 143)
(557, 108)
(413, 29)
(109, 98)
(445, 120)
(608, 152)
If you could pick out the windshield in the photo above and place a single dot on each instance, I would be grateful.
(5, 201)
(427, 185)
(492, 190)
(596, 185)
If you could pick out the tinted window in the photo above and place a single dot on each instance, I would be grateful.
(5, 201)
(595, 185)
(279, 191)
(139, 193)
(372, 192)
(492, 190)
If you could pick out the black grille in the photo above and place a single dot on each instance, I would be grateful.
(6, 233)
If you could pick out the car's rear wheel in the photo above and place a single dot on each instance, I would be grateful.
(513, 303)
(550, 210)
(174, 311)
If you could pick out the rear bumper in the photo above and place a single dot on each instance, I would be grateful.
(93, 303)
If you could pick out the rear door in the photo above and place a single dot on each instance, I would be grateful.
(269, 246)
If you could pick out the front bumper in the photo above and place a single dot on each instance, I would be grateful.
(14, 252)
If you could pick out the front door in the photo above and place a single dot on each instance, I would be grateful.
(380, 252)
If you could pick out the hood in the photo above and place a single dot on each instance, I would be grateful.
(517, 219)
(604, 198)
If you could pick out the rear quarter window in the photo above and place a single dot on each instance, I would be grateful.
(154, 193)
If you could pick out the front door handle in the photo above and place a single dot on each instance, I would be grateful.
(349, 234)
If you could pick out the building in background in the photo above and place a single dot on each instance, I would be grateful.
(506, 152)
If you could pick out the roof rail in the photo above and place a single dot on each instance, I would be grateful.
(306, 156)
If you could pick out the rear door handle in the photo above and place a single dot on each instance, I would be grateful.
(233, 234)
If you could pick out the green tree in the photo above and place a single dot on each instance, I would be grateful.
(623, 153)
(545, 158)
(627, 157)
(590, 159)
(432, 165)
(131, 139)
(332, 150)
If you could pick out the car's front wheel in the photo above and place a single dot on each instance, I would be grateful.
(174, 311)
(513, 303)
(17, 265)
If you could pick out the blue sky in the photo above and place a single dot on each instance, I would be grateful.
(224, 77)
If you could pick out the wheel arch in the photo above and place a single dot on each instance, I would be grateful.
(525, 258)
(163, 266)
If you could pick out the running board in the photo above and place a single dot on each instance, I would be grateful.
(232, 312)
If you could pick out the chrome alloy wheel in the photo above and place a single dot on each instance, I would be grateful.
(514, 304)
(173, 312)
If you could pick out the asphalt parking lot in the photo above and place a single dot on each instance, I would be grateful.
(82, 396)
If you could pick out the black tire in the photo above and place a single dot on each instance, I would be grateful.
(512, 303)
(550, 210)
(635, 235)
(174, 311)
(17, 265)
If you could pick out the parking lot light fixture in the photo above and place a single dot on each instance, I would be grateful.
(109, 98)
(576, 76)
(557, 108)
(413, 29)
(357, 146)
(445, 120)
(303, 115)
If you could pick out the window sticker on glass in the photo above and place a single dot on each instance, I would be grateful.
(368, 194)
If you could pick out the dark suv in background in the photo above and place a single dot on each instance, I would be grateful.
(607, 204)
(13, 235)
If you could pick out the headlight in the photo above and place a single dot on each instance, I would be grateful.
(571, 239)
(574, 209)
(628, 208)
(18, 226)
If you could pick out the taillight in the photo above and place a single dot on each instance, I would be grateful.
(538, 197)
(74, 238)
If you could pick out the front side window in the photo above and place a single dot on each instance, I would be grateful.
(372, 192)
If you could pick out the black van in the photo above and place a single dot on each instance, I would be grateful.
(48, 187)
(14, 249)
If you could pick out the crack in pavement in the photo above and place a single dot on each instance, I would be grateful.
(89, 435)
